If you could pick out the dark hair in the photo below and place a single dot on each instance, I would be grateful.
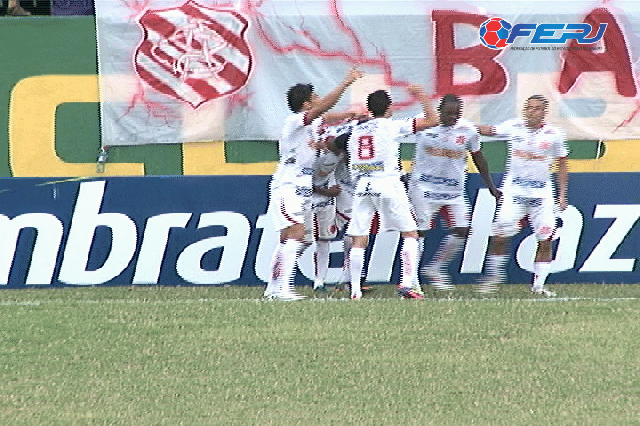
(378, 102)
(298, 95)
(540, 98)
(341, 140)
(449, 98)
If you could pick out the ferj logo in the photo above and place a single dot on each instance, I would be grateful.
(496, 33)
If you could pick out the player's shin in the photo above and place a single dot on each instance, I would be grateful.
(409, 256)
(321, 259)
(540, 273)
(449, 248)
(289, 258)
(496, 264)
(356, 264)
(276, 271)
(345, 277)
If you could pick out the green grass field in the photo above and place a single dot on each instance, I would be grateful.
(223, 356)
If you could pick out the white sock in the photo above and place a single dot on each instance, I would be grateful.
(409, 256)
(347, 243)
(289, 257)
(540, 273)
(449, 248)
(496, 265)
(276, 270)
(321, 258)
(346, 269)
(416, 281)
(356, 264)
(420, 247)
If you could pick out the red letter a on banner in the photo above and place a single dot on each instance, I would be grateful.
(615, 57)
(493, 77)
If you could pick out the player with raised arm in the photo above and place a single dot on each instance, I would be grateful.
(373, 153)
(437, 184)
(527, 191)
(290, 195)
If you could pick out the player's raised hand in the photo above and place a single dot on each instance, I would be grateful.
(352, 75)
(430, 116)
(416, 91)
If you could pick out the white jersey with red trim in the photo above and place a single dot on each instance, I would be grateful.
(297, 151)
(374, 147)
(531, 154)
(323, 174)
(329, 131)
(440, 165)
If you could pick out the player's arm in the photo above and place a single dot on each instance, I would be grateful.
(332, 118)
(483, 168)
(485, 130)
(328, 101)
(332, 191)
(563, 181)
(431, 118)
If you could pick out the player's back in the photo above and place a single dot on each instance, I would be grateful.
(373, 148)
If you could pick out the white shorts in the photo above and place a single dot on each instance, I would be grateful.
(291, 205)
(386, 196)
(325, 219)
(427, 205)
(514, 212)
(344, 206)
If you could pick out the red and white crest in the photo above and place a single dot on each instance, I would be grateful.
(193, 53)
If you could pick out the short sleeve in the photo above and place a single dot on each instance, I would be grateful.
(560, 148)
(504, 129)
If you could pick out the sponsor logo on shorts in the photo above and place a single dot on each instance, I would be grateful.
(439, 196)
(529, 202)
(530, 183)
(438, 180)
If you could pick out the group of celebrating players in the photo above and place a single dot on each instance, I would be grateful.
(340, 171)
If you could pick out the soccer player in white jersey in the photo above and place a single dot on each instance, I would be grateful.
(534, 146)
(437, 185)
(373, 154)
(332, 197)
(290, 196)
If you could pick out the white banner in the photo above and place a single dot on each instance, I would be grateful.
(174, 71)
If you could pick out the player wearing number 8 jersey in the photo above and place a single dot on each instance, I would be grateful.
(527, 191)
(373, 154)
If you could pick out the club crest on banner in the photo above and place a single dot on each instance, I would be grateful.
(193, 53)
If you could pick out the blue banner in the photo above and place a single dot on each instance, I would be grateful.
(213, 230)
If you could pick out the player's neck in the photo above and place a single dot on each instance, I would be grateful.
(536, 126)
